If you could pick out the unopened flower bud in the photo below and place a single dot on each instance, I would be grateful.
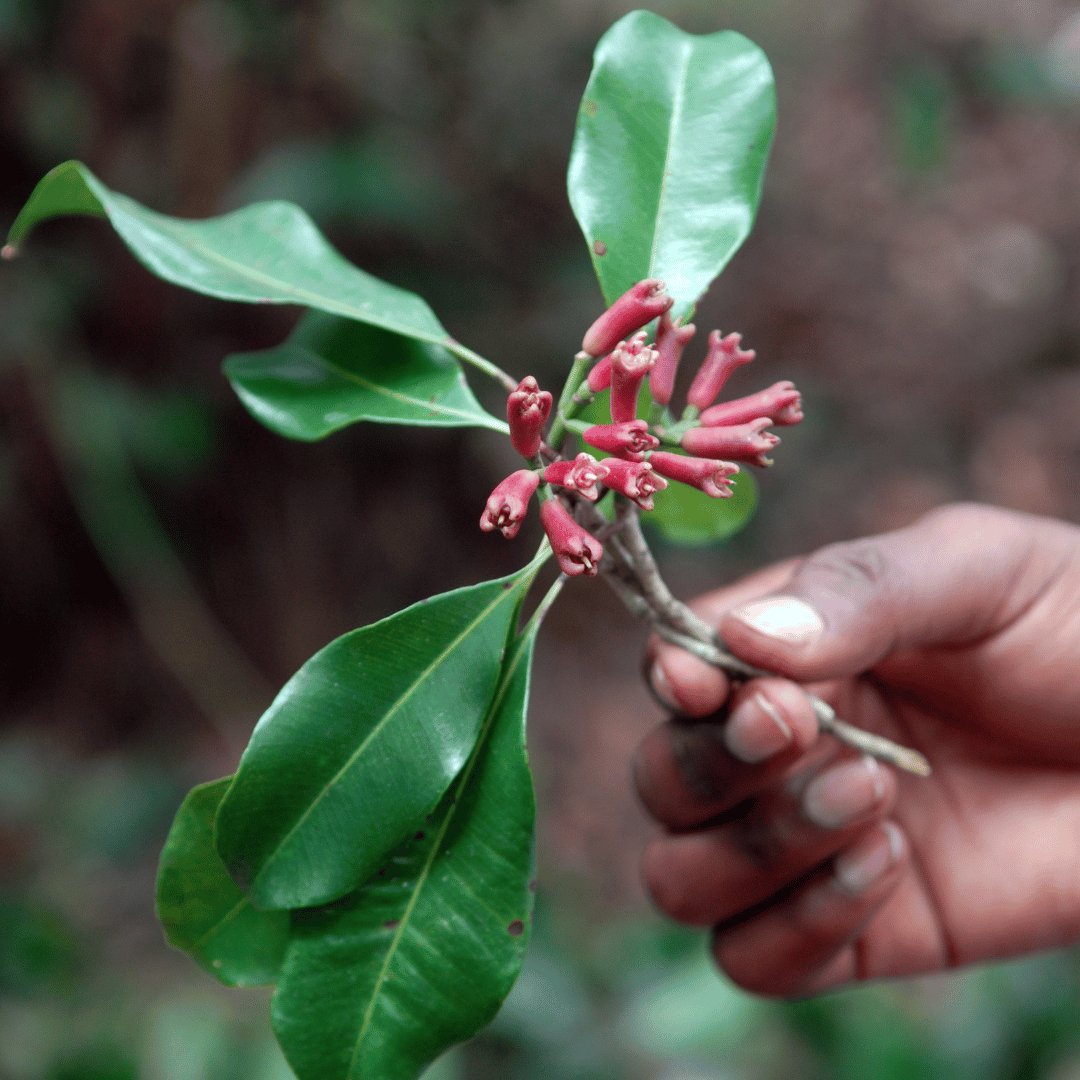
(527, 410)
(723, 357)
(600, 376)
(742, 442)
(629, 440)
(581, 475)
(509, 502)
(670, 342)
(630, 363)
(578, 551)
(634, 479)
(636, 307)
(781, 403)
(708, 475)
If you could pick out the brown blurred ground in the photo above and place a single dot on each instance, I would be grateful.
(916, 269)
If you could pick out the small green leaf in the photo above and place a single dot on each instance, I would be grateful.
(201, 909)
(362, 742)
(268, 253)
(691, 518)
(332, 372)
(669, 153)
(423, 955)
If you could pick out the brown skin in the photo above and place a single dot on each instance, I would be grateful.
(959, 636)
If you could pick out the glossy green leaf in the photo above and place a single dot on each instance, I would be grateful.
(691, 518)
(423, 955)
(332, 372)
(669, 153)
(202, 910)
(361, 743)
(268, 253)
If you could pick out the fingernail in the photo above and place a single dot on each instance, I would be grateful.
(870, 860)
(661, 688)
(755, 731)
(844, 793)
(786, 618)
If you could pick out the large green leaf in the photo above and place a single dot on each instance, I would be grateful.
(332, 372)
(669, 154)
(423, 955)
(202, 910)
(270, 252)
(361, 743)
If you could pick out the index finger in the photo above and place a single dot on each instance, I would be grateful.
(683, 682)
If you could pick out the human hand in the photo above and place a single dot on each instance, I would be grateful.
(959, 636)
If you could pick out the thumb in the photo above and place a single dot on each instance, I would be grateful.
(956, 575)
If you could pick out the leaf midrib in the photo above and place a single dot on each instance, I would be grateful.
(310, 299)
(436, 847)
(397, 395)
(685, 49)
(387, 716)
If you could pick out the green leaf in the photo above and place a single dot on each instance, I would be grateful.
(423, 955)
(268, 253)
(332, 372)
(691, 518)
(362, 742)
(669, 153)
(202, 910)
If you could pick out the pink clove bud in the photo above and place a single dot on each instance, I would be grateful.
(743, 442)
(636, 307)
(708, 475)
(723, 357)
(628, 440)
(581, 475)
(630, 363)
(508, 504)
(527, 410)
(634, 479)
(600, 375)
(670, 342)
(781, 403)
(578, 551)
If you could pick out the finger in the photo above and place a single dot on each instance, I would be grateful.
(938, 582)
(688, 773)
(805, 943)
(714, 874)
(682, 682)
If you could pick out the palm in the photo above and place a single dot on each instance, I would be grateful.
(986, 830)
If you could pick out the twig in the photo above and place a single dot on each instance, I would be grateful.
(877, 746)
(634, 576)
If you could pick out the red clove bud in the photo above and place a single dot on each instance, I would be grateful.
(581, 475)
(630, 363)
(508, 504)
(781, 403)
(634, 479)
(628, 440)
(708, 475)
(723, 357)
(670, 342)
(527, 410)
(636, 307)
(578, 551)
(743, 442)
(600, 375)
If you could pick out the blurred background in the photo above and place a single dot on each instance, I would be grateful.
(165, 563)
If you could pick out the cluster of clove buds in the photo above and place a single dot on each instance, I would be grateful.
(713, 437)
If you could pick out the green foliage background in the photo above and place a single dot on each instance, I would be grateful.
(164, 563)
